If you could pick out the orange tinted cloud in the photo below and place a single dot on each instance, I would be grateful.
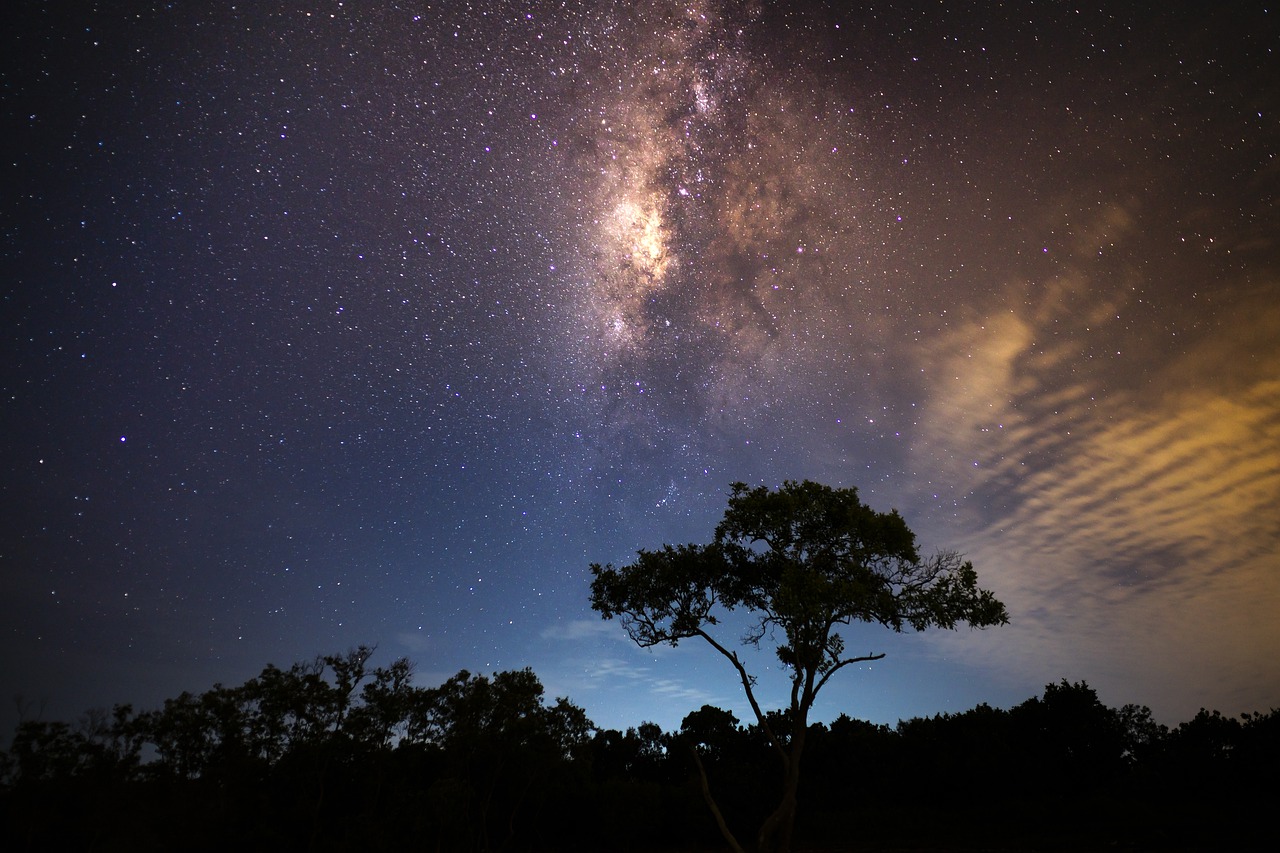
(1133, 532)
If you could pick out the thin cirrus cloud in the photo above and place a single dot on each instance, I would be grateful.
(577, 630)
(595, 659)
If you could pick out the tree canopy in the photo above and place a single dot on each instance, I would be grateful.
(802, 560)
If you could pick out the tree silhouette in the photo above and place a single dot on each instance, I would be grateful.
(334, 755)
(1070, 729)
(501, 745)
(803, 560)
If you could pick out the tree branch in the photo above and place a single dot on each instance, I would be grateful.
(751, 696)
(843, 664)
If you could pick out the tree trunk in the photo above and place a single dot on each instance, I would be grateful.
(711, 802)
(775, 833)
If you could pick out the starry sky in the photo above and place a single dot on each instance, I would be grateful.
(336, 323)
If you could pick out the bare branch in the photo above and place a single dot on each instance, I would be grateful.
(843, 664)
(747, 682)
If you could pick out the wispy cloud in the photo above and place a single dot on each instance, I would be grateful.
(582, 629)
(1122, 525)
(596, 661)
(615, 686)
(415, 641)
(616, 672)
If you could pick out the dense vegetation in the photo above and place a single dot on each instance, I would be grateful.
(337, 755)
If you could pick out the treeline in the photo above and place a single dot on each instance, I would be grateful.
(338, 755)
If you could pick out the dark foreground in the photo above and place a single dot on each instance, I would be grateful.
(330, 756)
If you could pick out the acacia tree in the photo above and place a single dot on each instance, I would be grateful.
(802, 561)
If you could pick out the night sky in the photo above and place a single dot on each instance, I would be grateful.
(377, 323)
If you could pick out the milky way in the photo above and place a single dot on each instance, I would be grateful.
(331, 326)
